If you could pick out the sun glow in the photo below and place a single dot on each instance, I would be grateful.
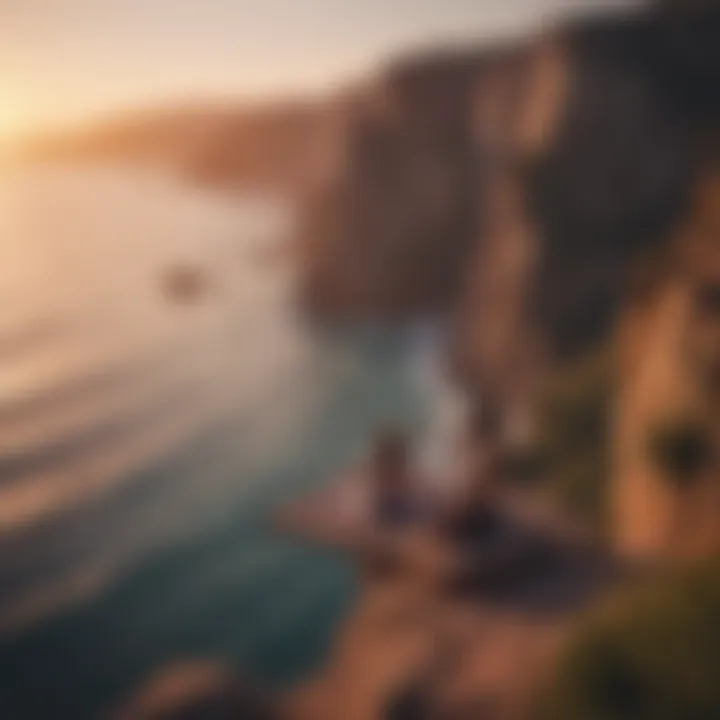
(11, 128)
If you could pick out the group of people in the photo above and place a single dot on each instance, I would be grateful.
(399, 498)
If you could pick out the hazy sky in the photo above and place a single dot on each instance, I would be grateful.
(64, 61)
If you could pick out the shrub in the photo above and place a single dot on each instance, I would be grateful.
(680, 448)
(573, 440)
(652, 655)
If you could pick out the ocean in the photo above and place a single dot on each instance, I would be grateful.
(150, 426)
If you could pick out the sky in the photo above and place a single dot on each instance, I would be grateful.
(65, 62)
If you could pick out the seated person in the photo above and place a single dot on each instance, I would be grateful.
(475, 517)
(392, 483)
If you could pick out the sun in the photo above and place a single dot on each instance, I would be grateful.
(10, 128)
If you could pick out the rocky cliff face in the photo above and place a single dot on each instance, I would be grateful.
(519, 187)
(389, 229)
(615, 125)
(617, 179)
(667, 437)
(265, 148)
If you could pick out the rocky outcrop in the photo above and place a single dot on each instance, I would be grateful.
(613, 132)
(441, 630)
(198, 691)
(617, 179)
(270, 147)
(518, 187)
(273, 148)
(390, 228)
(667, 436)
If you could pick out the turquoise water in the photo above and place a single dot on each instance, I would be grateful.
(145, 442)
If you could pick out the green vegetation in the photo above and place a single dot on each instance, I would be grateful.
(573, 444)
(652, 655)
(681, 448)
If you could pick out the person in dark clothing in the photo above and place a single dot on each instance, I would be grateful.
(391, 478)
(475, 518)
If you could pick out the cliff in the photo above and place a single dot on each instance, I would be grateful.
(667, 434)
(264, 147)
(518, 188)
(389, 228)
(435, 636)
(570, 164)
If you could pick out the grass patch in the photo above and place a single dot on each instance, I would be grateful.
(653, 655)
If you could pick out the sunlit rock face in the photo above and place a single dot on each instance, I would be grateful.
(389, 232)
(617, 181)
(669, 344)
(518, 187)
(613, 128)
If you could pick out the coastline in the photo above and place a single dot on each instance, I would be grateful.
(409, 638)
